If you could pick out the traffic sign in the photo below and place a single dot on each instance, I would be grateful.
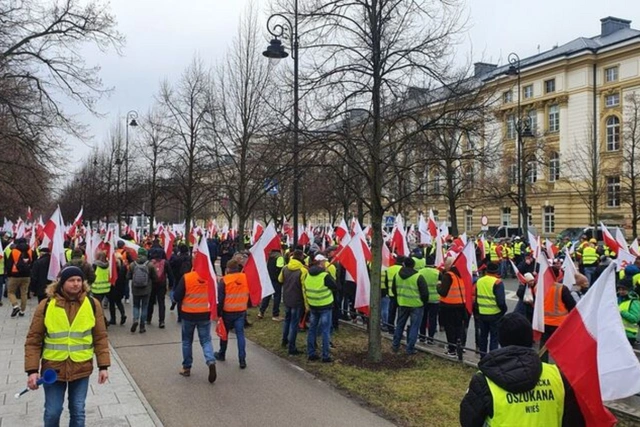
(484, 221)
(389, 221)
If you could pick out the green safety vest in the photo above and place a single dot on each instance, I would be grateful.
(484, 295)
(391, 273)
(420, 263)
(317, 293)
(280, 262)
(408, 293)
(589, 256)
(431, 276)
(630, 328)
(102, 284)
(63, 341)
(542, 406)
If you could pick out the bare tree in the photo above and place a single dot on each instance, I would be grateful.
(631, 159)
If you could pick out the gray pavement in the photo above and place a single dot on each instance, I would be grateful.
(117, 403)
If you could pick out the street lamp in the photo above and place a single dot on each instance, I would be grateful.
(275, 51)
(131, 121)
(118, 197)
(523, 129)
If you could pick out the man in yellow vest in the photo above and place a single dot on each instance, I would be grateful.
(389, 275)
(411, 293)
(590, 259)
(490, 305)
(101, 286)
(66, 332)
(429, 323)
(629, 310)
(319, 286)
(514, 388)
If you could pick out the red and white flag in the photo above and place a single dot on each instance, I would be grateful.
(354, 259)
(466, 264)
(634, 248)
(256, 266)
(624, 258)
(29, 214)
(256, 232)
(57, 260)
(399, 237)
(439, 262)
(592, 351)
(387, 258)
(546, 280)
(569, 278)
(519, 275)
(534, 242)
(202, 266)
(432, 225)
(111, 256)
(622, 243)
(169, 238)
(423, 230)
(608, 239)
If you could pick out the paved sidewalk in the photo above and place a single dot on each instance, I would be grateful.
(117, 403)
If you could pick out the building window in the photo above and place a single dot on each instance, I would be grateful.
(511, 126)
(533, 120)
(436, 183)
(527, 92)
(468, 220)
(611, 74)
(531, 173)
(530, 216)
(550, 86)
(549, 220)
(613, 133)
(506, 217)
(436, 218)
(612, 100)
(513, 175)
(554, 118)
(469, 176)
(554, 167)
(613, 191)
(507, 97)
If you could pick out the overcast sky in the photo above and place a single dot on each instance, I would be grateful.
(163, 35)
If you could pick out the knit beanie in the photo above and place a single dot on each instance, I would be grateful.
(142, 252)
(515, 329)
(69, 272)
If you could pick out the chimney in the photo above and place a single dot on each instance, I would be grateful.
(610, 25)
(482, 68)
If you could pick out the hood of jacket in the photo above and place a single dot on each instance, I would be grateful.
(315, 270)
(294, 265)
(141, 259)
(406, 272)
(514, 368)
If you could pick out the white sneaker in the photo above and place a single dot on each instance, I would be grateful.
(126, 300)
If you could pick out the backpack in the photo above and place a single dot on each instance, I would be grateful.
(159, 265)
(22, 265)
(140, 276)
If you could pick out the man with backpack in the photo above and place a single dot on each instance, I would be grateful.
(141, 274)
(18, 267)
(159, 287)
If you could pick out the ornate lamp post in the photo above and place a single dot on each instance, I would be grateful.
(131, 121)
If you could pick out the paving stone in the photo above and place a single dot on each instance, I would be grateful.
(131, 408)
(21, 421)
(13, 409)
(141, 420)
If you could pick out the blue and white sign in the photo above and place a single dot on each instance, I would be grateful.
(389, 221)
(271, 185)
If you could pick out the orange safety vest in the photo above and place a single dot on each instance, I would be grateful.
(236, 292)
(554, 309)
(196, 294)
(125, 258)
(15, 254)
(456, 291)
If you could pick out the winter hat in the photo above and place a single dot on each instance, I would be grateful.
(69, 272)
(142, 252)
(631, 270)
(515, 329)
(493, 268)
(320, 257)
(528, 277)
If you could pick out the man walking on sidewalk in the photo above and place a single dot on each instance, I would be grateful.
(18, 267)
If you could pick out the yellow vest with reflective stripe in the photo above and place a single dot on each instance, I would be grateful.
(493, 253)
(408, 292)
(391, 273)
(589, 256)
(485, 297)
(317, 293)
(62, 340)
(431, 276)
(542, 406)
(517, 248)
(102, 284)
(630, 328)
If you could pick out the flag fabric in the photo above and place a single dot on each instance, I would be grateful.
(483, 248)
(111, 257)
(444, 230)
(466, 263)
(399, 237)
(439, 262)
(633, 248)
(256, 232)
(202, 266)
(519, 275)
(169, 239)
(29, 213)
(221, 331)
(89, 249)
(423, 230)
(569, 278)
(534, 243)
(342, 230)
(620, 239)
(608, 239)
(546, 279)
(591, 349)
(352, 257)
(255, 268)
(432, 225)
(624, 258)
(387, 258)
(57, 260)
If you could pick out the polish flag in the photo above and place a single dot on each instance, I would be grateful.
(552, 250)
(399, 237)
(608, 239)
(33, 242)
(423, 230)
(57, 260)
(387, 258)
(111, 257)
(20, 230)
(534, 242)
(342, 230)
(303, 237)
(432, 225)
(256, 270)
(466, 264)
(623, 259)
(202, 266)
(592, 351)
(633, 248)
(569, 268)
(256, 232)
(620, 239)
(169, 238)
(29, 214)
(444, 230)
(89, 249)
(353, 258)
(546, 279)
(439, 262)
(519, 275)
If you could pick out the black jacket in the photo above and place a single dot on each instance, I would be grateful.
(517, 370)
(39, 271)
(405, 273)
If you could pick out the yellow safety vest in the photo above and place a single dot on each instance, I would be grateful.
(408, 291)
(630, 328)
(493, 253)
(484, 296)
(542, 406)
(589, 256)
(101, 285)
(517, 248)
(391, 273)
(62, 340)
(317, 293)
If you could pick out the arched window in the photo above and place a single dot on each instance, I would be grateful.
(613, 133)
(531, 172)
(554, 167)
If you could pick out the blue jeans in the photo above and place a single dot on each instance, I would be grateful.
(235, 321)
(54, 399)
(589, 272)
(290, 326)
(404, 314)
(320, 319)
(2, 280)
(140, 307)
(384, 310)
(488, 326)
(204, 334)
